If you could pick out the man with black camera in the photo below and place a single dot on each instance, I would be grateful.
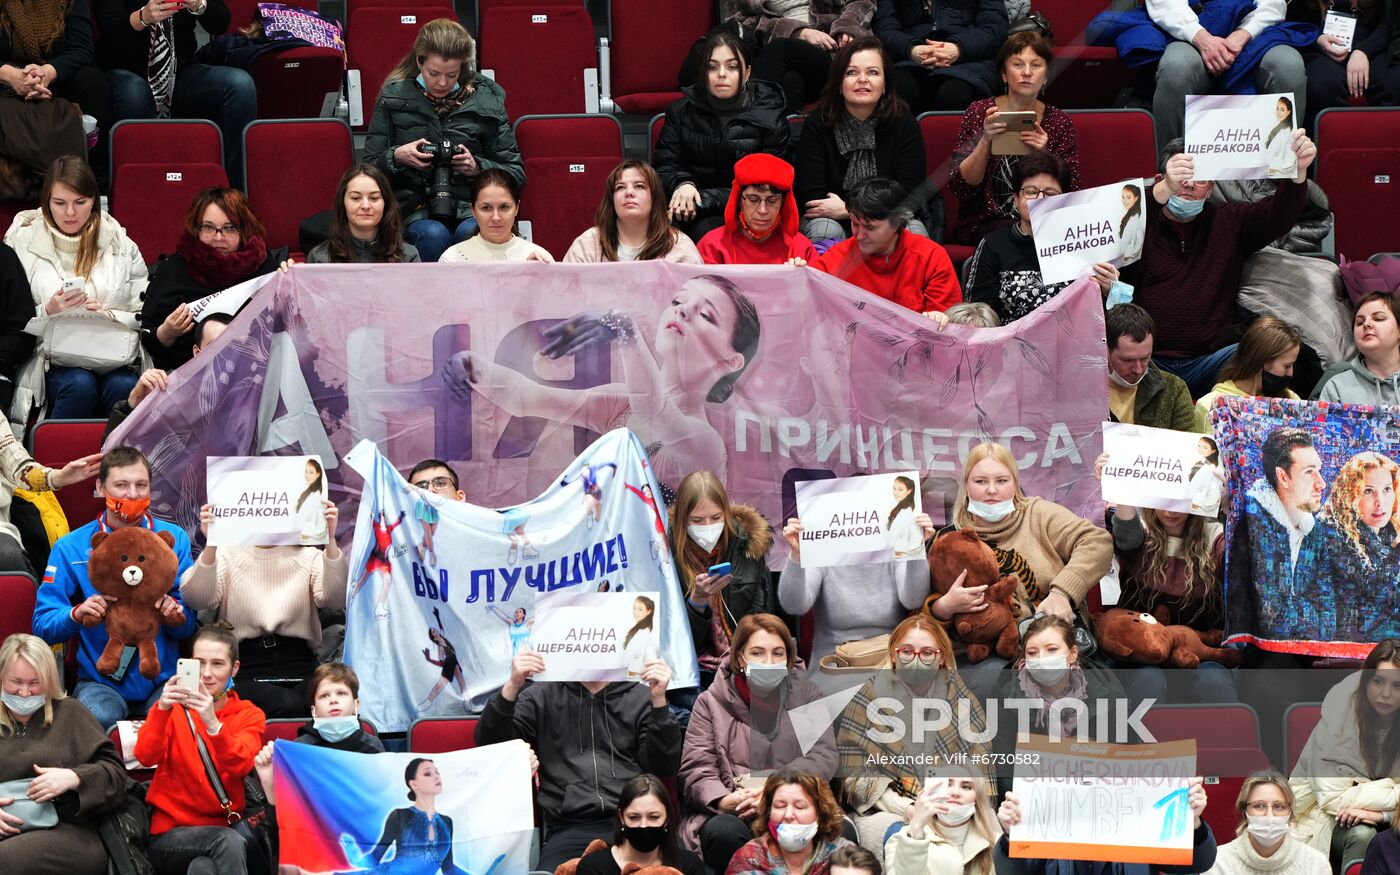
(436, 126)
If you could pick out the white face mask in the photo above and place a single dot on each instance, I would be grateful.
(706, 536)
(23, 706)
(1267, 829)
(793, 837)
(991, 511)
(1048, 671)
(1116, 380)
(957, 815)
(764, 677)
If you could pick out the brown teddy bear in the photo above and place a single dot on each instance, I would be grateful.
(986, 631)
(135, 566)
(1131, 636)
(570, 867)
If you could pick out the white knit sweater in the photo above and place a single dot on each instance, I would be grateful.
(1294, 857)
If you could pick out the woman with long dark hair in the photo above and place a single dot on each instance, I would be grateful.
(310, 506)
(1130, 232)
(420, 836)
(496, 206)
(1344, 781)
(631, 222)
(1278, 145)
(1261, 366)
(645, 833)
(905, 532)
(1207, 479)
(638, 639)
(365, 224)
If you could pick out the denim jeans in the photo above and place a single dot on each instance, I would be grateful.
(1210, 683)
(76, 393)
(432, 237)
(1200, 372)
(224, 95)
(106, 704)
(1181, 72)
(199, 850)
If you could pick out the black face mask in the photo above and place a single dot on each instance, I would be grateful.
(644, 838)
(1273, 386)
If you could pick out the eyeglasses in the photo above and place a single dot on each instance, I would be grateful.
(927, 655)
(1032, 192)
(436, 483)
(772, 202)
(208, 230)
(1267, 807)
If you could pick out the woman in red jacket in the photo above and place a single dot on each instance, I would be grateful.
(190, 818)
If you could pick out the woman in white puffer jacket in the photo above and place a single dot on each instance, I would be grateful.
(70, 238)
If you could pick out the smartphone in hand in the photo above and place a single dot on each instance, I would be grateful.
(187, 671)
(720, 570)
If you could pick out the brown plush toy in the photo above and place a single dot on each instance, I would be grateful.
(570, 867)
(639, 869)
(986, 631)
(135, 566)
(1131, 636)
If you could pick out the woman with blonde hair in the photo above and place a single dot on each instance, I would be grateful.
(1055, 555)
(74, 772)
(1261, 366)
(707, 530)
(951, 832)
(78, 261)
(1263, 841)
(882, 784)
(631, 222)
(436, 95)
(1363, 544)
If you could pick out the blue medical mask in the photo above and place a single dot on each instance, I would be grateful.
(1118, 293)
(335, 729)
(1183, 208)
(23, 706)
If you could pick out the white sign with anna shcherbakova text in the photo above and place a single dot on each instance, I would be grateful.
(266, 501)
(1241, 136)
(595, 636)
(1163, 469)
(1078, 229)
(860, 520)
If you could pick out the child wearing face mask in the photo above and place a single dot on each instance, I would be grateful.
(951, 831)
(1264, 842)
(334, 691)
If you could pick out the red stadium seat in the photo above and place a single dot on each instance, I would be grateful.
(1359, 155)
(483, 6)
(1353, 868)
(940, 132)
(293, 168)
(1212, 726)
(245, 11)
(294, 83)
(165, 141)
(287, 729)
(567, 162)
(56, 442)
(543, 56)
(645, 59)
(150, 200)
(1298, 723)
(352, 6)
(1225, 771)
(442, 734)
(17, 594)
(377, 38)
(1114, 144)
(1082, 76)
(10, 209)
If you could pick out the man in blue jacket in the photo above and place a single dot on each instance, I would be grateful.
(66, 596)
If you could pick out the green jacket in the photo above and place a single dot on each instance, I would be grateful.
(402, 114)
(1163, 401)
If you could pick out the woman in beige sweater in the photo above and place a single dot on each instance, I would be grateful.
(1055, 555)
(271, 596)
(1264, 842)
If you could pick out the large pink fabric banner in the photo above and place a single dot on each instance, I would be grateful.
(766, 375)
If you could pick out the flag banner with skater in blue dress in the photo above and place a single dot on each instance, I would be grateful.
(467, 812)
(442, 593)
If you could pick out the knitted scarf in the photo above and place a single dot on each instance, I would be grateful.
(855, 140)
(33, 27)
(1078, 689)
(214, 270)
(444, 106)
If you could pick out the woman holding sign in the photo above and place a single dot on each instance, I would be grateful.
(1344, 781)
(1265, 843)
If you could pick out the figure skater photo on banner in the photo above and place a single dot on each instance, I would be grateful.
(588, 476)
(311, 506)
(379, 564)
(446, 660)
(637, 642)
(425, 510)
(906, 537)
(513, 527)
(1363, 547)
(517, 627)
(1129, 231)
(419, 836)
(1207, 479)
(658, 544)
(705, 340)
(1278, 145)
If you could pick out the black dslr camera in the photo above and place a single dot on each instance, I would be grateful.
(441, 205)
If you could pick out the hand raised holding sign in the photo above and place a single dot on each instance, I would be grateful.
(525, 665)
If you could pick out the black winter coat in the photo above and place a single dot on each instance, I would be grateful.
(123, 48)
(696, 147)
(821, 168)
(977, 27)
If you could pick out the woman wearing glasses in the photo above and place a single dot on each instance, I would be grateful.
(1004, 272)
(1264, 842)
(222, 245)
(884, 778)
